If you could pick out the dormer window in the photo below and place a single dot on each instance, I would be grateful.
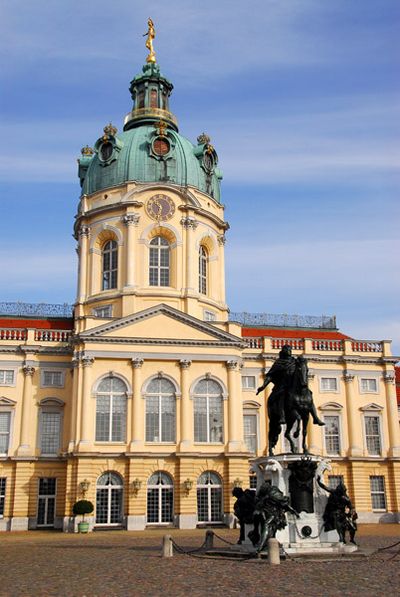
(106, 151)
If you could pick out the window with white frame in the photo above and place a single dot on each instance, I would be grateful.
(50, 417)
(248, 382)
(111, 398)
(160, 498)
(209, 315)
(52, 379)
(5, 429)
(3, 483)
(328, 384)
(378, 496)
(368, 385)
(253, 482)
(335, 480)
(7, 377)
(203, 262)
(208, 412)
(209, 497)
(103, 312)
(110, 265)
(250, 428)
(373, 438)
(160, 411)
(332, 434)
(159, 259)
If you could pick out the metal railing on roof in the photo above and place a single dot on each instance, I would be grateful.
(326, 322)
(20, 309)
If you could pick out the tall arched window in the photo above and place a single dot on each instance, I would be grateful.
(109, 493)
(209, 497)
(159, 272)
(110, 265)
(160, 498)
(160, 411)
(111, 410)
(203, 261)
(208, 411)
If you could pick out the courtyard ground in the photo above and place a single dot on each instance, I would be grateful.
(120, 563)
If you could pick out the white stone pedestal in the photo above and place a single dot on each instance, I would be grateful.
(304, 535)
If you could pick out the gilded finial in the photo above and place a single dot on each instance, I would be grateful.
(109, 131)
(203, 139)
(87, 150)
(149, 41)
(161, 127)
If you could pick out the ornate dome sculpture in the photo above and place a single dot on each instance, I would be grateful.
(150, 148)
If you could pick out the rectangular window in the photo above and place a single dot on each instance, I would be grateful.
(253, 482)
(368, 385)
(53, 379)
(248, 382)
(209, 316)
(373, 435)
(50, 433)
(105, 311)
(329, 384)
(250, 432)
(6, 377)
(378, 497)
(335, 480)
(3, 482)
(332, 434)
(5, 423)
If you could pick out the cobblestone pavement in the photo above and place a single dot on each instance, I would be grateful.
(120, 563)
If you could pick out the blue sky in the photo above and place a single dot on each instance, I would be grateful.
(301, 100)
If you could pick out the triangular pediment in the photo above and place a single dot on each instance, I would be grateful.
(161, 323)
(6, 401)
(371, 407)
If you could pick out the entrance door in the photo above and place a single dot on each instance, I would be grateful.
(209, 497)
(109, 493)
(160, 498)
(46, 502)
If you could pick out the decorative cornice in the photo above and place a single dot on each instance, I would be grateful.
(131, 219)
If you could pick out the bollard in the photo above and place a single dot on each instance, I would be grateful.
(209, 543)
(273, 551)
(167, 547)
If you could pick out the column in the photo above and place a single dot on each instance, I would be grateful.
(392, 414)
(84, 232)
(189, 224)
(27, 414)
(74, 403)
(131, 221)
(186, 430)
(137, 426)
(221, 267)
(353, 422)
(87, 416)
(313, 445)
(235, 408)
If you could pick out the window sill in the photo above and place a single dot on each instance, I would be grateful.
(208, 443)
(111, 443)
(160, 443)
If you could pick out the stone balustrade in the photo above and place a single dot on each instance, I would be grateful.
(35, 335)
(267, 344)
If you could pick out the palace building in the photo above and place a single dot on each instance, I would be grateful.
(143, 399)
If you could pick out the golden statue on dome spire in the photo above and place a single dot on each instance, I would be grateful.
(149, 41)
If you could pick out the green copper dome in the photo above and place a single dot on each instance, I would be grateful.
(150, 149)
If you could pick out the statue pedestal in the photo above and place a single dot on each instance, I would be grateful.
(304, 535)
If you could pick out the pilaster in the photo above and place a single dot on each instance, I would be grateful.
(353, 421)
(137, 440)
(25, 448)
(186, 415)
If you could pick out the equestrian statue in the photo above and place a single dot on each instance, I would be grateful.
(291, 401)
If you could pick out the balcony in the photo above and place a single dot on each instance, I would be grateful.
(28, 336)
(266, 344)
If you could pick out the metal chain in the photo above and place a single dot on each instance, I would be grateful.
(310, 536)
(224, 540)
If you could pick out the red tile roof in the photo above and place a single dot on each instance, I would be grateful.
(37, 324)
(293, 333)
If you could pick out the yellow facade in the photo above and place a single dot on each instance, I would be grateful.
(206, 421)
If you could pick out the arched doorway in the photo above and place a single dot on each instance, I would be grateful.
(209, 497)
(109, 499)
(160, 498)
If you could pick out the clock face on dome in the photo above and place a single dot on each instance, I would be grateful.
(160, 207)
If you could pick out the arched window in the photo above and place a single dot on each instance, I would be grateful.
(159, 262)
(160, 411)
(111, 410)
(160, 498)
(203, 262)
(109, 492)
(208, 411)
(209, 497)
(110, 265)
